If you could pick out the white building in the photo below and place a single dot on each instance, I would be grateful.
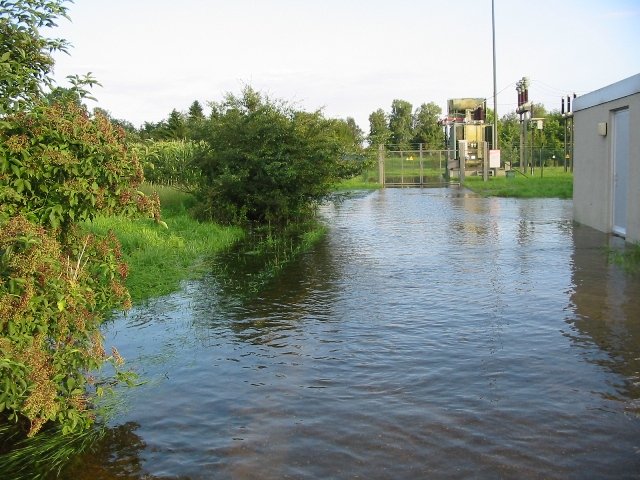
(606, 184)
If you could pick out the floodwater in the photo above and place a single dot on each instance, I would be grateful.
(432, 334)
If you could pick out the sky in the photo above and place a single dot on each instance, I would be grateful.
(346, 57)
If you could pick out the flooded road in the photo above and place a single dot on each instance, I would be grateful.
(431, 334)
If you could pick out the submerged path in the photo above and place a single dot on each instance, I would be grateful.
(433, 334)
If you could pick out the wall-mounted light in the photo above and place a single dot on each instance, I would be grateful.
(602, 129)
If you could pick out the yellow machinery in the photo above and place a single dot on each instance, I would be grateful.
(466, 135)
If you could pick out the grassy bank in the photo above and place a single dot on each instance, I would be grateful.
(366, 181)
(160, 258)
(554, 183)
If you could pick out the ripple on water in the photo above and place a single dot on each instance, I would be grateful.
(433, 334)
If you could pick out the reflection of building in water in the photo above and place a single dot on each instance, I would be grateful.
(475, 221)
(607, 307)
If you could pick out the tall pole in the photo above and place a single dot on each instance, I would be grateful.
(495, 101)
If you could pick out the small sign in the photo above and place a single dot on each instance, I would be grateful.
(494, 158)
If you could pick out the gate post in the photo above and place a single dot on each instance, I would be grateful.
(421, 169)
(381, 164)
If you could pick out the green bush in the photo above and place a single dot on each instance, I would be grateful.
(52, 301)
(58, 165)
(267, 162)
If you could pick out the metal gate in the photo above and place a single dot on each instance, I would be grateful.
(411, 167)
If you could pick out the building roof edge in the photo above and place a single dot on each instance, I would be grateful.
(623, 88)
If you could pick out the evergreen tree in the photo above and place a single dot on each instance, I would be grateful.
(196, 112)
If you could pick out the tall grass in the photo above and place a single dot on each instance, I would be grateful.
(160, 258)
(43, 456)
(553, 182)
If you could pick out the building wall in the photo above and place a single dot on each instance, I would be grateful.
(593, 161)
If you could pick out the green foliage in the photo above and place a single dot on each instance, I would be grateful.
(426, 128)
(401, 123)
(379, 132)
(267, 162)
(171, 163)
(25, 55)
(356, 133)
(58, 165)
(160, 258)
(52, 301)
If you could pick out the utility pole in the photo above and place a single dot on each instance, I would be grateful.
(495, 95)
(568, 132)
(524, 106)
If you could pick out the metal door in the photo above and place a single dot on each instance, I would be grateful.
(620, 154)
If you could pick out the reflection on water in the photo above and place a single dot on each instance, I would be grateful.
(607, 311)
(432, 334)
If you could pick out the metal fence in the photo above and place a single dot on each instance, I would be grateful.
(419, 167)
(398, 167)
(535, 157)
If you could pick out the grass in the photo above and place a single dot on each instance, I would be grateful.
(160, 258)
(629, 258)
(44, 455)
(360, 182)
(555, 183)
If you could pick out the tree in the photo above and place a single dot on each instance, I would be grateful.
(356, 133)
(426, 128)
(401, 123)
(195, 120)
(196, 112)
(267, 162)
(25, 55)
(176, 126)
(509, 133)
(379, 132)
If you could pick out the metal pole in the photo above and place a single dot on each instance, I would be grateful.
(565, 144)
(485, 163)
(571, 143)
(495, 95)
(523, 156)
(381, 164)
(421, 170)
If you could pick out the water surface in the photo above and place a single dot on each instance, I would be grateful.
(432, 334)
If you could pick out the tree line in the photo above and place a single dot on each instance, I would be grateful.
(402, 127)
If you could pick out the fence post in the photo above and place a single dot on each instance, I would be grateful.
(421, 170)
(485, 161)
(381, 164)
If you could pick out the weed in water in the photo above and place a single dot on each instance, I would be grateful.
(45, 455)
(629, 258)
